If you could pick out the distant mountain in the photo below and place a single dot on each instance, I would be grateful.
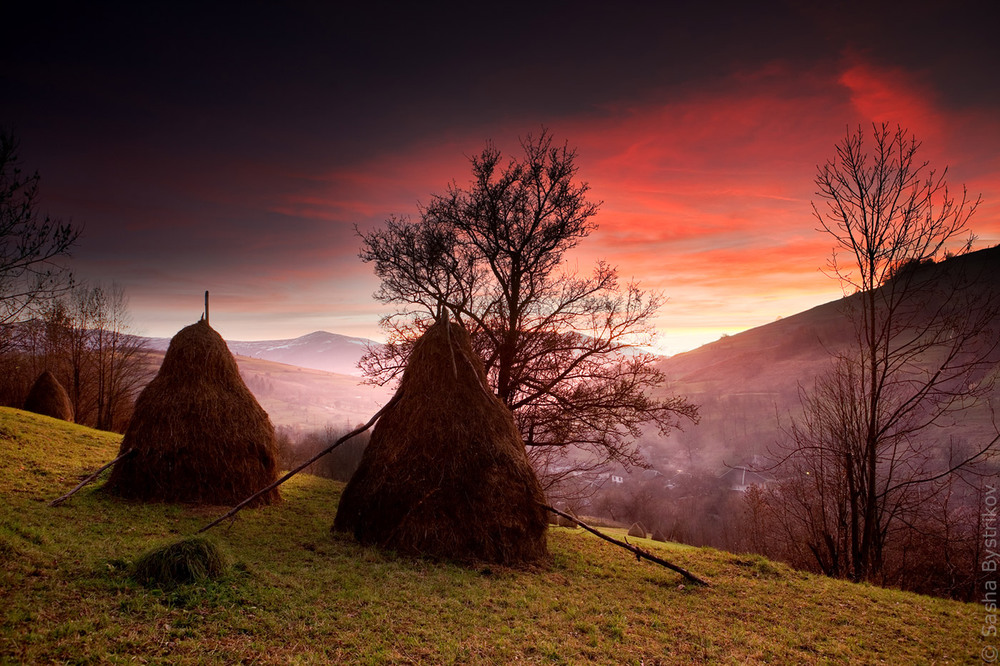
(320, 350)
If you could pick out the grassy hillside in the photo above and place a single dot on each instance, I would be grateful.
(296, 593)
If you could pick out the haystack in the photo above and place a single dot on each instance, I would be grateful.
(198, 433)
(445, 473)
(48, 397)
(637, 530)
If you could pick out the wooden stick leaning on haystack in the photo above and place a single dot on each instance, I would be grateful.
(639, 552)
(59, 500)
(290, 474)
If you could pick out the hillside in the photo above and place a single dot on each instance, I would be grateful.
(745, 382)
(302, 399)
(298, 593)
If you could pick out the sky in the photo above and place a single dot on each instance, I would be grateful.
(237, 148)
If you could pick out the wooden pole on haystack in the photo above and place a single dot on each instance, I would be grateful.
(357, 431)
(206, 306)
(59, 500)
(638, 552)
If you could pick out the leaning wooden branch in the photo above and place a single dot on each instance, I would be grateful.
(639, 552)
(356, 431)
(60, 500)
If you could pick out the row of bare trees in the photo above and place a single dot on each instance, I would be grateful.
(84, 339)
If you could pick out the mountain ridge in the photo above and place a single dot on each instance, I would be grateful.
(319, 350)
(747, 382)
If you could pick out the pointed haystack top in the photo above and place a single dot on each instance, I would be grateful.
(446, 473)
(48, 397)
(199, 434)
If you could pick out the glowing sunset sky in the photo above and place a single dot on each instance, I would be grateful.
(235, 150)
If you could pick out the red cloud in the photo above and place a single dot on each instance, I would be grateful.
(706, 195)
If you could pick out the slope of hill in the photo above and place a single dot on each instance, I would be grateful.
(745, 382)
(320, 350)
(302, 399)
(298, 593)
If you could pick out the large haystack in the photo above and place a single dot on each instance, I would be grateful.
(446, 473)
(199, 434)
(48, 397)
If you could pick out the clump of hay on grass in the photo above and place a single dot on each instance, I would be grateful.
(48, 397)
(192, 560)
(445, 473)
(198, 433)
(658, 535)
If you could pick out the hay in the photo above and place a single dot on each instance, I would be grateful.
(565, 522)
(199, 434)
(659, 536)
(48, 397)
(192, 560)
(445, 473)
(637, 530)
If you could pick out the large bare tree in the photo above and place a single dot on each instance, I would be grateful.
(562, 350)
(871, 447)
(31, 244)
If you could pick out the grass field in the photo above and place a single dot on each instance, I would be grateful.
(297, 593)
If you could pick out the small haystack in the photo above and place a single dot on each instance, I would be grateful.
(48, 397)
(565, 522)
(197, 431)
(445, 473)
(637, 530)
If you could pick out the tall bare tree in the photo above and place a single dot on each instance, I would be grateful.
(117, 353)
(562, 350)
(868, 451)
(30, 243)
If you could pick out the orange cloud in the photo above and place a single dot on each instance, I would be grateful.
(706, 197)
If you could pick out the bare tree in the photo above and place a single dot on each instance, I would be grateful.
(30, 243)
(562, 350)
(90, 346)
(867, 453)
(117, 357)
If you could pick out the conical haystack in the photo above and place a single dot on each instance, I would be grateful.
(48, 397)
(637, 530)
(445, 473)
(199, 434)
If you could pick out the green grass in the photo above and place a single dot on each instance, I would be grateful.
(296, 593)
